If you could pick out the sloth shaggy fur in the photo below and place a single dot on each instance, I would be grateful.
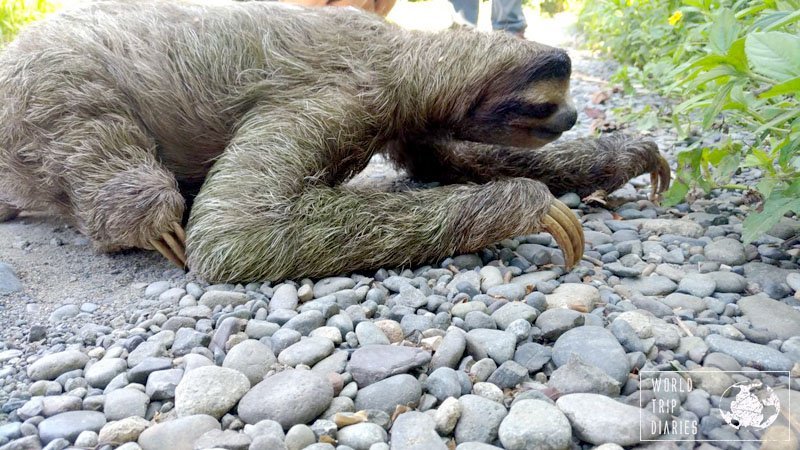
(120, 115)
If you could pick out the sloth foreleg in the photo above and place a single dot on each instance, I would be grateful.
(580, 165)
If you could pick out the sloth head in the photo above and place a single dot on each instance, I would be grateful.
(526, 106)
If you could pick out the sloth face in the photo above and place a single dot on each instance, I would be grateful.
(524, 108)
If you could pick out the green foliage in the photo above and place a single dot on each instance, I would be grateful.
(14, 14)
(729, 63)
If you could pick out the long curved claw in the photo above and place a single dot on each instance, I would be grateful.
(179, 233)
(166, 252)
(567, 216)
(567, 231)
(175, 246)
(172, 245)
(659, 179)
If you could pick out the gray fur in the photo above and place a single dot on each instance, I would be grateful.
(116, 114)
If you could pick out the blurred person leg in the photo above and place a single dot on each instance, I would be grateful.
(466, 12)
(507, 16)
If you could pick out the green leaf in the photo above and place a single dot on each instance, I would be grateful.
(775, 207)
(716, 106)
(723, 31)
(774, 54)
(727, 167)
(791, 87)
(676, 193)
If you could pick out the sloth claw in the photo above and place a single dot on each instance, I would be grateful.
(172, 245)
(562, 224)
(659, 178)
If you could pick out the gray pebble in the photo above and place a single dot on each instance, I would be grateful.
(496, 344)
(773, 315)
(177, 434)
(283, 338)
(251, 358)
(141, 371)
(654, 285)
(513, 311)
(480, 419)
(222, 298)
(443, 383)
(49, 367)
(450, 350)
(386, 394)
(186, 340)
(228, 439)
(70, 424)
(308, 351)
(328, 286)
(554, 322)
(415, 431)
(728, 281)
(535, 424)
(299, 437)
(699, 285)
(376, 362)
(161, 384)
(749, 354)
(577, 376)
(284, 297)
(593, 345)
(123, 403)
(726, 251)
(305, 322)
(598, 419)
(103, 371)
(289, 397)
(361, 435)
(210, 390)
(508, 375)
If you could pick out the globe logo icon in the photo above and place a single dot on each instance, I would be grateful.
(750, 404)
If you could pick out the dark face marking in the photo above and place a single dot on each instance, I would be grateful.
(516, 108)
(554, 64)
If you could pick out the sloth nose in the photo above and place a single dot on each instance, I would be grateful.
(563, 120)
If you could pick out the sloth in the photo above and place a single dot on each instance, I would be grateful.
(243, 122)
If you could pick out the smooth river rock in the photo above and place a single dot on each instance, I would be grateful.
(289, 397)
(376, 362)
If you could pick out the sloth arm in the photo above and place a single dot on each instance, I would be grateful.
(270, 210)
(581, 165)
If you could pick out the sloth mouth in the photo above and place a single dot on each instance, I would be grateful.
(543, 133)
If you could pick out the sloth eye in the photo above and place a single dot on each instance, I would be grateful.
(517, 108)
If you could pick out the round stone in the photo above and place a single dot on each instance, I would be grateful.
(177, 434)
(252, 358)
(123, 403)
(596, 346)
(386, 394)
(480, 419)
(209, 390)
(415, 431)
(361, 435)
(726, 251)
(70, 424)
(535, 424)
(103, 371)
(580, 297)
(598, 419)
(289, 397)
(49, 367)
(122, 431)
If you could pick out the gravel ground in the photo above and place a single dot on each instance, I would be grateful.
(500, 349)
